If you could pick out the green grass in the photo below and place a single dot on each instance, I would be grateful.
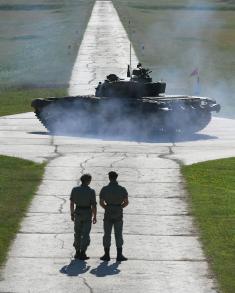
(13, 101)
(39, 39)
(183, 7)
(211, 186)
(18, 182)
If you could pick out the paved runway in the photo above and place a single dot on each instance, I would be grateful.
(161, 241)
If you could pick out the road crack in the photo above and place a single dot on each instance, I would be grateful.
(61, 207)
(87, 285)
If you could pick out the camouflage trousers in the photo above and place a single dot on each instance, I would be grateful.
(108, 225)
(82, 230)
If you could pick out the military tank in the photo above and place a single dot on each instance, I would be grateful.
(135, 102)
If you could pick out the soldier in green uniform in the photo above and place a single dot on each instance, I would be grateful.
(113, 198)
(83, 197)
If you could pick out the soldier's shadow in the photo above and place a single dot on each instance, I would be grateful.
(75, 268)
(104, 269)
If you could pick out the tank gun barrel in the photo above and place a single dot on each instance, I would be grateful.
(128, 74)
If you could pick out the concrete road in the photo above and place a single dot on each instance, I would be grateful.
(161, 241)
(105, 49)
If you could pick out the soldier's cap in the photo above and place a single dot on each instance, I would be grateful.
(113, 174)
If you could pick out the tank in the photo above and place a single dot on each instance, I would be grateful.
(135, 103)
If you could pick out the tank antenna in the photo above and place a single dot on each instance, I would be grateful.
(130, 45)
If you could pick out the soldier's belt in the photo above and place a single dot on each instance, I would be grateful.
(114, 205)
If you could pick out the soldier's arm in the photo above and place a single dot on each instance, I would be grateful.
(94, 208)
(94, 212)
(72, 205)
(102, 203)
(125, 202)
(125, 198)
(72, 209)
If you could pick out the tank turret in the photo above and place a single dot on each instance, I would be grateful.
(138, 85)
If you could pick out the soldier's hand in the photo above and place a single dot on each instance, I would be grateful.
(72, 217)
(94, 221)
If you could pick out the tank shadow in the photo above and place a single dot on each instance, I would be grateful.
(104, 269)
(40, 132)
(157, 138)
(75, 268)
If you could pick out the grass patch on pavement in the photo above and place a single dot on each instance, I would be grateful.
(211, 186)
(18, 183)
(15, 101)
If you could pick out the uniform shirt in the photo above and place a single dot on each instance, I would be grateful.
(83, 196)
(113, 194)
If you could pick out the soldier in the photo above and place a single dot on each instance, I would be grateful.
(139, 65)
(113, 198)
(85, 200)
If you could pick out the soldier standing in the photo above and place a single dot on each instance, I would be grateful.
(113, 198)
(85, 200)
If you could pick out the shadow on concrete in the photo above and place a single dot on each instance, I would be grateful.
(158, 138)
(104, 269)
(75, 268)
(40, 132)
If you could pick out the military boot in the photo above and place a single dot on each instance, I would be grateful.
(120, 256)
(77, 254)
(83, 255)
(106, 256)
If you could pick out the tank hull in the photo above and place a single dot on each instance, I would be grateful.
(102, 115)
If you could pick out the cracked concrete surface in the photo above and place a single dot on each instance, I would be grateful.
(160, 239)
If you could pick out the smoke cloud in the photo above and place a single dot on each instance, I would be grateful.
(197, 35)
(112, 118)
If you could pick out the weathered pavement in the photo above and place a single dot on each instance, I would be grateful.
(160, 239)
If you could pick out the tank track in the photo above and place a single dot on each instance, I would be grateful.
(40, 104)
(41, 120)
(165, 121)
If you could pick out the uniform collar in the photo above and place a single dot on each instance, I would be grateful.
(113, 183)
(85, 186)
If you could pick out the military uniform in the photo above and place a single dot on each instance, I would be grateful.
(84, 198)
(113, 194)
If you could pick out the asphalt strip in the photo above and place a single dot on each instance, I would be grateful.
(160, 240)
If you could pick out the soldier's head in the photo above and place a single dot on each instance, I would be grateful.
(113, 176)
(86, 179)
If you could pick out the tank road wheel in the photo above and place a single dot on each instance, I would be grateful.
(196, 121)
(186, 120)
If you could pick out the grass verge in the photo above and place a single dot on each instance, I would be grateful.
(15, 101)
(211, 186)
(18, 183)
